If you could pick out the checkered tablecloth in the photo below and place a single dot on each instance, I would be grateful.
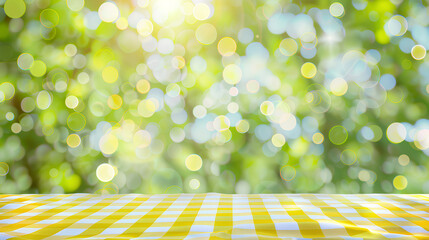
(214, 216)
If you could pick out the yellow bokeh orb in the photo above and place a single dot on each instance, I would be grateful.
(143, 86)
(400, 182)
(147, 107)
(16, 128)
(267, 108)
(308, 70)
(72, 101)
(178, 62)
(336, 9)
(194, 162)
(4, 169)
(145, 27)
(14, 8)
(76, 5)
(396, 132)
(232, 74)
(318, 138)
(206, 33)
(201, 11)
(25, 61)
(110, 74)
(242, 126)
(73, 140)
(404, 160)
(221, 123)
(278, 140)
(49, 18)
(122, 23)
(418, 52)
(227, 46)
(8, 90)
(287, 173)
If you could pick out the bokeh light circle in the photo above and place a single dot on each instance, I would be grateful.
(14, 8)
(278, 140)
(308, 70)
(108, 144)
(193, 162)
(49, 18)
(221, 123)
(108, 12)
(143, 86)
(201, 11)
(318, 138)
(418, 52)
(403, 160)
(76, 5)
(348, 157)
(336, 9)
(288, 47)
(142, 138)
(72, 101)
(8, 90)
(226, 46)
(105, 172)
(338, 86)
(287, 173)
(4, 169)
(206, 33)
(76, 121)
(338, 135)
(25, 61)
(397, 25)
(73, 140)
(38, 68)
(145, 27)
(396, 132)
(114, 101)
(232, 74)
(110, 74)
(242, 126)
(267, 108)
(400, 182)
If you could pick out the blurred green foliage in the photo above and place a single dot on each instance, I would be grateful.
(243, 96)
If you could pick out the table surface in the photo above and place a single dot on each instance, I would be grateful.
(214, 216)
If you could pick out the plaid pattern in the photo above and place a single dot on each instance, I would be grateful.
(214, 216)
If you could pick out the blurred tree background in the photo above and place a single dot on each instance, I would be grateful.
(242, 96)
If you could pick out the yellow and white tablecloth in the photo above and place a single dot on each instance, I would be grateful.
(214, 216)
